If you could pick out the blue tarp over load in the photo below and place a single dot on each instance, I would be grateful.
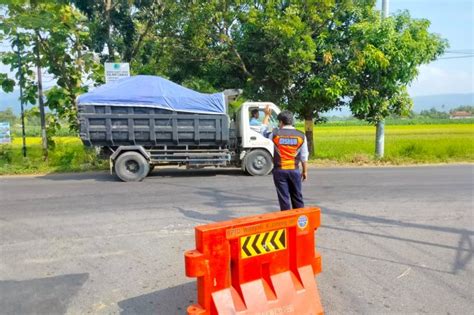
(153, 91)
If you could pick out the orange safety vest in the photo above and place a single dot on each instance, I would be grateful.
(288, 143)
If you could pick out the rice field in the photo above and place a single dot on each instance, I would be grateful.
(403, 144)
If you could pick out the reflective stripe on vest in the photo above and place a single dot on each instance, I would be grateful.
(288, 143)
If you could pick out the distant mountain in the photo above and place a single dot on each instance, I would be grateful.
(442, 102)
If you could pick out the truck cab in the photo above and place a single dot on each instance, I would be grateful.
(256, 151)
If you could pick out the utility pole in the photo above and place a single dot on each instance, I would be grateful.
(384, 8)
(44, 138)
(380, 128)
(20, 71)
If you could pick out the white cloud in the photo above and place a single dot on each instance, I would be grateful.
(440, 79)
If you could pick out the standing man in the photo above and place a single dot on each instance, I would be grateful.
(291, 149)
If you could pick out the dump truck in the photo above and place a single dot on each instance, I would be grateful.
(142, 121)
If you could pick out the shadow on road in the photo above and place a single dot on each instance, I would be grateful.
(105, 176)
(205, 172)
(95, 176)
(464, 251)
(173, 300)
(40, 296)
(221, 215)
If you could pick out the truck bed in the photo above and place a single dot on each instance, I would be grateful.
(109, 125)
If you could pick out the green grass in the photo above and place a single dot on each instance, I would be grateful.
(404, 144)
(67, 155)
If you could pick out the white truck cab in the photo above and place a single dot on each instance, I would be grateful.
(256, 153)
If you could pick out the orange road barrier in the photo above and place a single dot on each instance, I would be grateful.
(261, 264)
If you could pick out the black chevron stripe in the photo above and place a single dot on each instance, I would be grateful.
(272, 241)
(264, 242)
(282, 239)
(244, 247)
(255, 242)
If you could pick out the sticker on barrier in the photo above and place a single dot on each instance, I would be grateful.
(302, 222)
(263, 243)
(261, 264)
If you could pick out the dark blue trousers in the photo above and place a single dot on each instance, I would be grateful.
(288, 186)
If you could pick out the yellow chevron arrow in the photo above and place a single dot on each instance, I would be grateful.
(259, 243)
(277, 239)
(249, 245)
(268, 243)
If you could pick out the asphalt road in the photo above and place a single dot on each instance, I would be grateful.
(393, 240)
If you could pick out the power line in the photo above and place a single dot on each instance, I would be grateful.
(456, 57)
(459, 52)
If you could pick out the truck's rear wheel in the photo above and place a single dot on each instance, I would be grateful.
(258, 162)
(131, 167)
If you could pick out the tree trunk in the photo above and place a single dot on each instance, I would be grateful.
(20, 83)
(380, 139)
(110, 47)
(308, 129)
(44, 138)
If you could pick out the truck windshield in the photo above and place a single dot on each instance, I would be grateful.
(256, 122)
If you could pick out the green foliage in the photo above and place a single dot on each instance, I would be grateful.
(51, 35)
(9, 116)
(6, 83)
(32, 116)
(433, 113)
(119, 28)
(292, 53)
(385, 57)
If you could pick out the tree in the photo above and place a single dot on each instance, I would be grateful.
(434, 113)
(293, 53)
(52, 35)
(8, 115)
(121, 26)
(32, 116)
(386, 54)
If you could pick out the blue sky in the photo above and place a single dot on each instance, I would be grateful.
(453, 20)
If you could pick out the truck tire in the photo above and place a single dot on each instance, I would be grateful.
(258, 162)
(131, 167)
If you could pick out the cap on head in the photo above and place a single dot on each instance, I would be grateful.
(286, 118)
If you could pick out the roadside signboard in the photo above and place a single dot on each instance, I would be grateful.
(5, 132)
(115, 71)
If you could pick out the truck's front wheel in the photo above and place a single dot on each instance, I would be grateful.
(258, 162)
(131, 167)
